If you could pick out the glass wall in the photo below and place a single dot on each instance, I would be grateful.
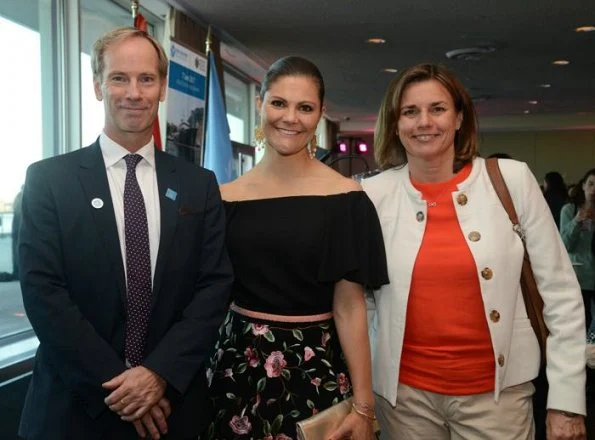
(21, 126)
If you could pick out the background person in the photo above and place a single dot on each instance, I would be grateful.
(454, 351)
(577, 229)
(555, 193)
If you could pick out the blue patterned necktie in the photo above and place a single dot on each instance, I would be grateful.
(138, 265)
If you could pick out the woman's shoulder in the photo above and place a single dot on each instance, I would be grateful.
(233, 190)
(345, 185)
(512, 167)
(336, 183)
(386, 181)
(569, 208)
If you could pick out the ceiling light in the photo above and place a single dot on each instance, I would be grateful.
(561, 62)
(585, 29)
(390, 70)
(470, 53)
(376, 40)
(533, 102)
(545, 86)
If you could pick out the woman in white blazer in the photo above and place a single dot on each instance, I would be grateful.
(453, 350)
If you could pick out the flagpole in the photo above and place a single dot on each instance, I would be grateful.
(134, 10)
(207, 80)
(208, 41)
(139, 22)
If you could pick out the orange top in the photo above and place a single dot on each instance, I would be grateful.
(447, 347)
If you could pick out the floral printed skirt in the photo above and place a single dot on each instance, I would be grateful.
(265, 376)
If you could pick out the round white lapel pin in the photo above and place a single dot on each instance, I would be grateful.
(97, 203)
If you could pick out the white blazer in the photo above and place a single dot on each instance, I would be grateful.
(403, 214)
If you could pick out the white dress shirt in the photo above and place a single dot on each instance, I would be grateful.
(146, 175)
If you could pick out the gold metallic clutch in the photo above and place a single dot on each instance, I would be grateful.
(321, 425)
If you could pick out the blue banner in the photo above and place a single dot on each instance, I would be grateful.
(186, 81)
(218, 150)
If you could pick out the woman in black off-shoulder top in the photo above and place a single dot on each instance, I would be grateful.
(304, 241)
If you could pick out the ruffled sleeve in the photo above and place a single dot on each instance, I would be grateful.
(353, 247)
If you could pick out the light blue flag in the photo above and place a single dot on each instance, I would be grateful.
(218, 152)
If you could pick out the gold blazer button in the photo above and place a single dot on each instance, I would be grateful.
(487, 273)
(462, 199)
(474, 236)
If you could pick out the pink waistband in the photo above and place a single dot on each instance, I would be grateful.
(280, 318)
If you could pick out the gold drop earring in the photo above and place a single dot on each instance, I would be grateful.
(259, 139)
(312, 146)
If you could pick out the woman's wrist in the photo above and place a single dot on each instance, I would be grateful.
(364, 409)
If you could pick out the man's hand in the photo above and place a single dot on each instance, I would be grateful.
(563, 427)
(154, 423)
(135, 391)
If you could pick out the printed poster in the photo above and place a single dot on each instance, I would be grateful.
(185, 102)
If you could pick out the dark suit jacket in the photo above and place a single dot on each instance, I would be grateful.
(73, 285)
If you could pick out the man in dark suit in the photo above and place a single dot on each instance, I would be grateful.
(124, 273)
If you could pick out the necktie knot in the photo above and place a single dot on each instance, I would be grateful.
(132, 160)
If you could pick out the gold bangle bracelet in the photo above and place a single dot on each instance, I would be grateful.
(371, 417)
(364, 406)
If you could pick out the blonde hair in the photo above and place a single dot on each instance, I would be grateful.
(388, 148)
(116, 36)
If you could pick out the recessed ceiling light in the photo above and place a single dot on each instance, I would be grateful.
(470, 53)
(585, 29)
(527, 112)
(390, 70)
(533, 102)
(561, 62)
(545, 86)
(376, 40)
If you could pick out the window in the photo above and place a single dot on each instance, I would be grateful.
(22, 88)
(97, 18)
(237, 102)
(21, 127)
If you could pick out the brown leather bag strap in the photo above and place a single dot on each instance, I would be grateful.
(531, 296)
(501, 189)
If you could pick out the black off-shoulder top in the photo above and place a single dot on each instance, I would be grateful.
(288, 252)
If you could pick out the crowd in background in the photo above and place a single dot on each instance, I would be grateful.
(573, 209)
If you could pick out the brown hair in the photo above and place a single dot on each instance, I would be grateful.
(292, 66)
(116, 36)
(388, 148)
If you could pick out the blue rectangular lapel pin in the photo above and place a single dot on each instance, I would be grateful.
(171, 194)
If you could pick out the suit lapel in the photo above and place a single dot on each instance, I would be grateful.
(169, 186)
(93, 179)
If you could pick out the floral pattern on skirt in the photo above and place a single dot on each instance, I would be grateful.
(266, 376)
